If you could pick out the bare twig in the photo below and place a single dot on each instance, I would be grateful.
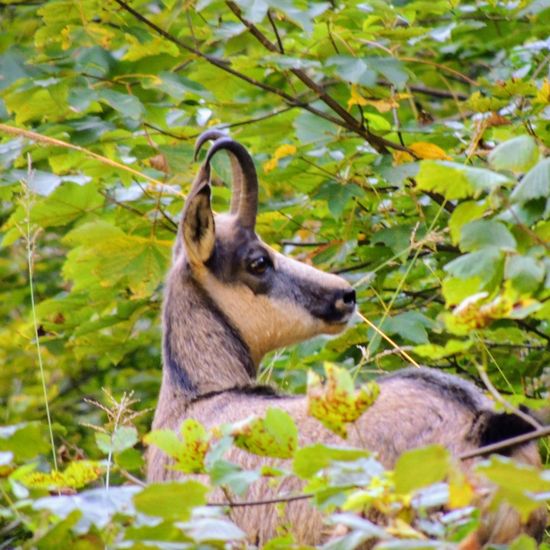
(498, 397)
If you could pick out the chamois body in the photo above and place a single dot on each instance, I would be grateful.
(229, 299)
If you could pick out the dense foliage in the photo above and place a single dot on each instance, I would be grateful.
(402, 145)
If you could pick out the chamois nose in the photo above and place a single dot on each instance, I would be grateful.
(345, 302)
(349, 296)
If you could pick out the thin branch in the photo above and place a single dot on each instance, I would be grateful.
(379, 144)
(506, 443)
(224, 66)
(264, 502)
(498, 397)
(276, 31)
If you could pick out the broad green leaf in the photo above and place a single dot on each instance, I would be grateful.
(517, 483)
(61, 534)
(535, 184)
(232, 476)
(337, 403)
(125, 104)
(484, 263)
(275, 435)
(525, 272)
(174, 500)
(26, 440)
(518, 154)
(456, 181)
(48, 101)
(451, 347)
(310, 460)
(353, 69)
(421, 467)
(203, 530)
(410, 326)
(108, 256)
(481, 234)
(457, 289)
(464, 212)
(124, 437)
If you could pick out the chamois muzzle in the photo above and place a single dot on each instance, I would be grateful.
(341, 308)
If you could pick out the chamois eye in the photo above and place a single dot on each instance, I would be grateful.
(258, 266)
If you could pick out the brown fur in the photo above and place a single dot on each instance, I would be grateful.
(219, 321)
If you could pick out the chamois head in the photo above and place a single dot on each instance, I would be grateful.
(271, 300)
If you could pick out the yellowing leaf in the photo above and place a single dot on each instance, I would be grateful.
(189, 452)
(284, 151)
(76, 475)
(337, 403)
(401, 157)
(281, 152)
(543, 95)
(355, 98)
(382, 105)
(460, 491)
(428, 151)
(275, 435)
(269, 165)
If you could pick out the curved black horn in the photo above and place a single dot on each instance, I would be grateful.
(237, 173)
(209, 135)
(247, 205)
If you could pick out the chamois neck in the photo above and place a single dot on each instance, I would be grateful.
(202, 351)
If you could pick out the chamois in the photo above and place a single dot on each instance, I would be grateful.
(229, 299)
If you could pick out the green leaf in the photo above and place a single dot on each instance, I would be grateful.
(204, 530)
(310, 460)
(483, 263)
(464, 212)
(410, 325)
(535, 184)
(125, 104)
(353, 69)
(525, 273)
(517, 483)
(451, 347)
(518, 154)
(173, 501)
(26, 440)
(484, 234)
(421, 467)
(124, 437)
(275, 435)
(456, 181)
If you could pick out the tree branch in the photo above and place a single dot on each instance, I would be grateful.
(379, 144)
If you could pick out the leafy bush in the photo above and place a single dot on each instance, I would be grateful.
(403, 145)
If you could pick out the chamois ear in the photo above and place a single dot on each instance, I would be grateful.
(198, 229)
